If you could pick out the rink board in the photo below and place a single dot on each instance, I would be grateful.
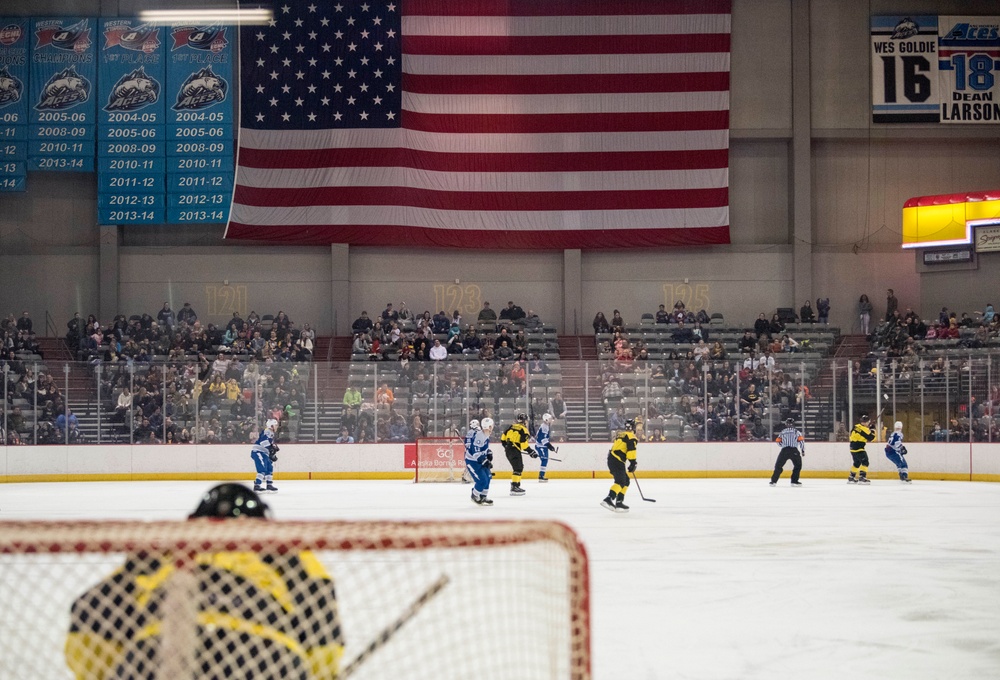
(122, 462)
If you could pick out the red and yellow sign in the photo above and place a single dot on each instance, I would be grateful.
(948, 219)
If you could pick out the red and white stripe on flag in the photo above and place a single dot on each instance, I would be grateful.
(522, 124)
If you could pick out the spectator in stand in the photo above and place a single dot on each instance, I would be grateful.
(166, 316)
(511, 312)
(789, 344)
(761, 327)
(486, 352)
(612, 393)
(748, 342)
(557, 407)
(24, 324)
(405, 314)
(776, 326)
(865, 309)
(454, 342)
(806, 313)
(532, 321)
(823, 310)
(718, 351)
(307, 338)
(601, 324)
(988, 314)
(682, 334)
(187, 314)
(662, 316)
(389, 314)
(345, 437)
(384, 397)
(362, 324)
(471, 343)
(701, 351)
(74, 332)
(440, 322)
(617, 322)
(438, 351)
(503, 337)
(124, 405)
(456, 318)
(616, 421)
(504, 351)
(398, 431)
(487, 315)
(891, 304)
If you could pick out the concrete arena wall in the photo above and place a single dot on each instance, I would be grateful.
(980, 462)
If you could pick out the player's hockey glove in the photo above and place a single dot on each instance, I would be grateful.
(632, 465)
(272, 453)
(902, 450)
(533, 454)
(488, 464)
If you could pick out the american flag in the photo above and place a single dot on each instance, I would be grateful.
(486, 123)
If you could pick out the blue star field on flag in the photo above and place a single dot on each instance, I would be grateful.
(318, 65)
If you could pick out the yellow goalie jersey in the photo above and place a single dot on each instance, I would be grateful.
(259, 615)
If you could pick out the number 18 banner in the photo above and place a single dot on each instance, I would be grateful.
(930, 69)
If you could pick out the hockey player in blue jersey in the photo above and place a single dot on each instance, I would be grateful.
(479, 461)
(542, 445)
(264, 453)
(469, 436)
(894, 451)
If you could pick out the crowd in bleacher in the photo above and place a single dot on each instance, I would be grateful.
(169, 379)
(680, 383)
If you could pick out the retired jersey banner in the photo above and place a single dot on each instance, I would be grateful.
(904, 69)
(969, 67)
(935, 69)
(486, 124)
(14, 104)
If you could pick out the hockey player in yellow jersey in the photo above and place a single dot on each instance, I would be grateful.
(621, 461)
(516, 441)
(261, 615)
(861, 434)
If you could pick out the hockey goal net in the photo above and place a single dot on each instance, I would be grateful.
(439, 459)
(214, 599)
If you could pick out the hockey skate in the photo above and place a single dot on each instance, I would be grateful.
(258, 488)
(271, 488)
(542, 479)
(621, 507)
(608, 503)
(904, 480)
(796, 483)
(864, 480)
(483, 500)
(516, 490)
(772, 484)
(852, 480)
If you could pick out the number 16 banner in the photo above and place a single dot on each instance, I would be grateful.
(931, 69)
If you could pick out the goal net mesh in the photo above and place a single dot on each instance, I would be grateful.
(214, 599)
(439, 459)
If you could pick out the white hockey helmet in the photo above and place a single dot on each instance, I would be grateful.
(546, 417)
(473, 424)
(487, 424)
(271, 424)
(898, 427)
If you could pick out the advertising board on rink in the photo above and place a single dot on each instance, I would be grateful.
(14, 79)
(63, 78)
(131, 153)
(935, 69)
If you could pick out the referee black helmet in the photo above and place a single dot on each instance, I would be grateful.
(790, 422)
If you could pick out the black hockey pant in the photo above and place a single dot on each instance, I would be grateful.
(788, 453)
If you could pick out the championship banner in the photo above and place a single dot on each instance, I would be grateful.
(200, 118)
(904, 69)
(14, 78)
(132, 122)
(63, 78)
(969, 63)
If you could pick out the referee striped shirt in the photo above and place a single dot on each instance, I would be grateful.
(791, 437)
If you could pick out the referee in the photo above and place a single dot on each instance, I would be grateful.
(793, 447)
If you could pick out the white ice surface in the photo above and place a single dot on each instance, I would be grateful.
(717, 579)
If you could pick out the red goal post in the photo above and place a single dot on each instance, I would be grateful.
(439, 459)
(411, 600)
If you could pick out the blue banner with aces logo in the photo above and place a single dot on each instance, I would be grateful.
(14, 79)
(63, 91)
(199, 123)
(132, 72)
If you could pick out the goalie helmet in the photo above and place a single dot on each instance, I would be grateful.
(487, 423)
(473, 424)
(547, 418)
(230, 500)
(898, 427)
(271, 424)
(521, 418)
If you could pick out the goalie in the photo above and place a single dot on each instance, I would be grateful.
(896, 452)
(260, 615)
(264, 454)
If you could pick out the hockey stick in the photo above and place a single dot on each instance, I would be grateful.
(389, 631)
(639, 489)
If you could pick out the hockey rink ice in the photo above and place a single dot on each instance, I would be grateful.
(719, 579)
